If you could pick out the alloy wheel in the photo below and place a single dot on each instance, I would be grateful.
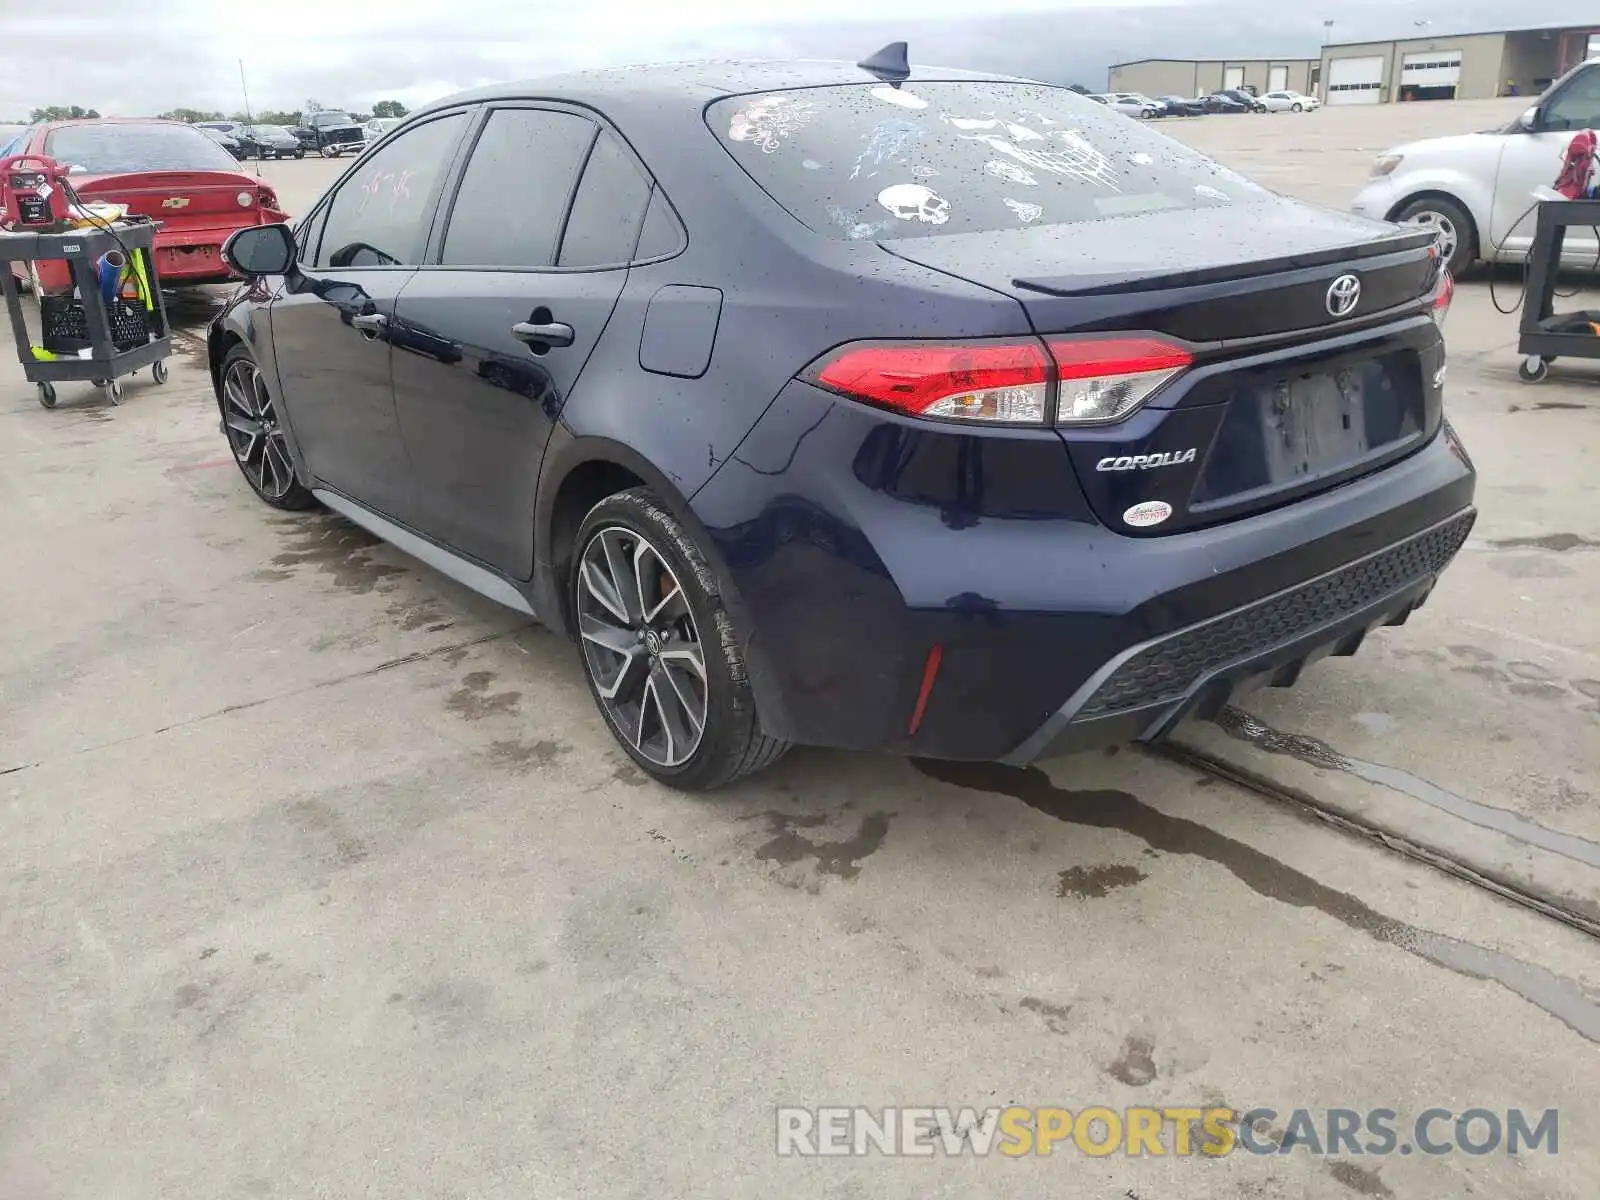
(254, 434)
(1444, 231)
(641, 646)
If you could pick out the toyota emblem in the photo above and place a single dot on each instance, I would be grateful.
(1344, 293)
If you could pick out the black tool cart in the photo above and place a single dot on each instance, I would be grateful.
(1546, 334)
(82, 336)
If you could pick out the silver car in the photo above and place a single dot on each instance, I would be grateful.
(1480, 190)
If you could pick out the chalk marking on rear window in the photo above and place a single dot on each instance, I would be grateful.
(767, 120)
(1076, 158)
(1026, 213)
(898, 97)
(1010, 172)
(915, 202)
(854, 227)
(886, 143)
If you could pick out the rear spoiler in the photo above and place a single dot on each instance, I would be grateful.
(1399, 244)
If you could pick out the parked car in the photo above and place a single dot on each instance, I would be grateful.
(1249, 100)
(378, 126)
(1178, 106)
(1222, 102)
(1476, 190)
(226, 140)
(331, 133)
(269, 141)
(172, 172)
(984, 487)
(1290, 102)
(1129, 105)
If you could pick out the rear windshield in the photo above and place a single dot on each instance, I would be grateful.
(873, 161)
(116, 148)
(332, 118)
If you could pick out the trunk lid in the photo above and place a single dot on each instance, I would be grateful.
(205, 199)
(1203, 275)
(1284, 397)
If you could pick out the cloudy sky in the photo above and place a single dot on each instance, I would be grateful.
(186, 52)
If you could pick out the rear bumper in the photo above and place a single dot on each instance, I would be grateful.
(1142, 693)
(865, 555)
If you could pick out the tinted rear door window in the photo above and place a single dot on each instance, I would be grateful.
(383, 208)
(872, 161)
(514, 193)
(608, 209)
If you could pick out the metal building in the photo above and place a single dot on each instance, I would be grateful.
(1462, 66)
(1187, 77)
(1467, 66)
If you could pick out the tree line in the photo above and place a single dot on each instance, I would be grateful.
(75, 112)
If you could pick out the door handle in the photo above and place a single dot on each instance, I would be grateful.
(553, 333)
(370, 324)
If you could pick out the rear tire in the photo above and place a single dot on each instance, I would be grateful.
(653, 636)
(1454, 226)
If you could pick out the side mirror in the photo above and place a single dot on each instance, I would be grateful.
(261, 250)
(1529, 121)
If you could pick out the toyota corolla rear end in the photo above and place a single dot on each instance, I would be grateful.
(1212, 452)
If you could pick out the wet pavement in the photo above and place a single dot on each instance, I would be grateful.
(322, 876)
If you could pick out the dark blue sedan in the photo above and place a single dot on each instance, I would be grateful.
(858, 406)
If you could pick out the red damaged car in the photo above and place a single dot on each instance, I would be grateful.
(166, 170)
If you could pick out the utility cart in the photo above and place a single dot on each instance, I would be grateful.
(113, 323)
(1546, 334)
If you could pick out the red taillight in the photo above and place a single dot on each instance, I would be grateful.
(1005, 382)
(1014, 381)
(1443, 293)
(1105, 379)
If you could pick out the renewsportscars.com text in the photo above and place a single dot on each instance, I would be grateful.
(1098, 1131)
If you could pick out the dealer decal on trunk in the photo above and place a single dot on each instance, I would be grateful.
(1150, 512)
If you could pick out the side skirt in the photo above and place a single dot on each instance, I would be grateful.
(467, 573)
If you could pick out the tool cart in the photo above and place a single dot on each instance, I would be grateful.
(1545, 334)
(111, 323)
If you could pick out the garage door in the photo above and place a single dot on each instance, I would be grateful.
(1233, 77)
(1278, 79)
(1431, 69)
(1355, 80)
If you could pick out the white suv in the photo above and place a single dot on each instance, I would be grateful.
(1478, 189)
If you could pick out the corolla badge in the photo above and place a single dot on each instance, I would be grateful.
(1144, 462)
(1344, 293)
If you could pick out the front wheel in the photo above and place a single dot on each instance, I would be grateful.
(660, 650)
(1457, 235)
(1297, 107)
(299, 154)
(255, 435)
